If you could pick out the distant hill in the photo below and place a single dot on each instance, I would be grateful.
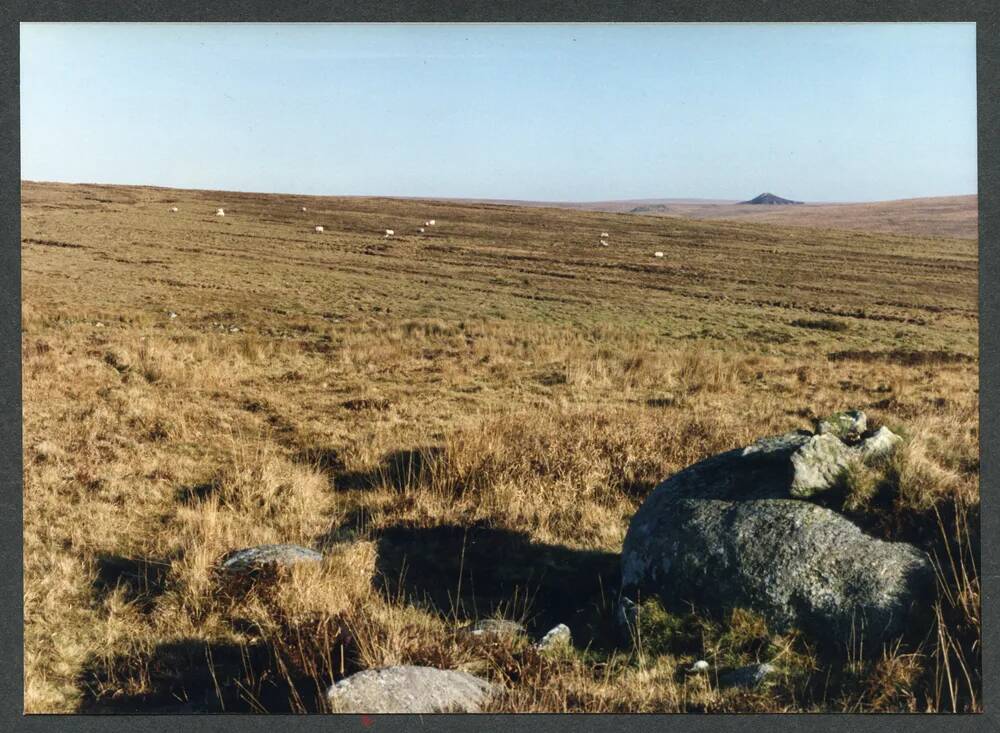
(769, 199)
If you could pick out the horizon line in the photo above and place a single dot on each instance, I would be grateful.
(488, 199)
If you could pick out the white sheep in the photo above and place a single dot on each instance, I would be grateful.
(603, 243)
(319, 230)
(174, 209)
(657, 254)
(220, 212)
(303, 208)
(420, 229)
(389, 233)
(604, 235)
(429, 223)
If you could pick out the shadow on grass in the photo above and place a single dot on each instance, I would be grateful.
(480, 571)
(180, 677)
(396, 469)
(289, 674)
(142, 580)
(196, 492)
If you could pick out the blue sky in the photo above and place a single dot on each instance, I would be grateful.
(839, 112)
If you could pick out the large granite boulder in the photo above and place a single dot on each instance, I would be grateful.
(735, 530)
(410, 689)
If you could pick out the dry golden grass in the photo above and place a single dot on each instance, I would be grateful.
(464, 422)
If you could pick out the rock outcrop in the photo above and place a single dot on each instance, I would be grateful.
(735, 531)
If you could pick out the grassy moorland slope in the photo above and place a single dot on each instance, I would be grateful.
(465, 420)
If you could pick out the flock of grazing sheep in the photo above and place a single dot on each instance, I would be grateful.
(420, 230)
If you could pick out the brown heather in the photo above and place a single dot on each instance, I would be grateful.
(464, 421)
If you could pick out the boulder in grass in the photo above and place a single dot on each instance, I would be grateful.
(410, 689)
(730, 532)
(251, 559)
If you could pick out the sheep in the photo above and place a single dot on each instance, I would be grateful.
(420, 229)
(303, 208)
(603, 243)
(174, 209)
(220, 212)
(429, 223)
(389, 233)
(319, 230)
(604, 235)
(657, 254)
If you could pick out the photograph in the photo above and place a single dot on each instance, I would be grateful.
(500, 368)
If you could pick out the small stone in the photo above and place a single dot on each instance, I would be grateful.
(882, 444)
(557, 636)
(496, 627)
(750, 677)
(255, 558)
(410, 689)
(848, 426)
